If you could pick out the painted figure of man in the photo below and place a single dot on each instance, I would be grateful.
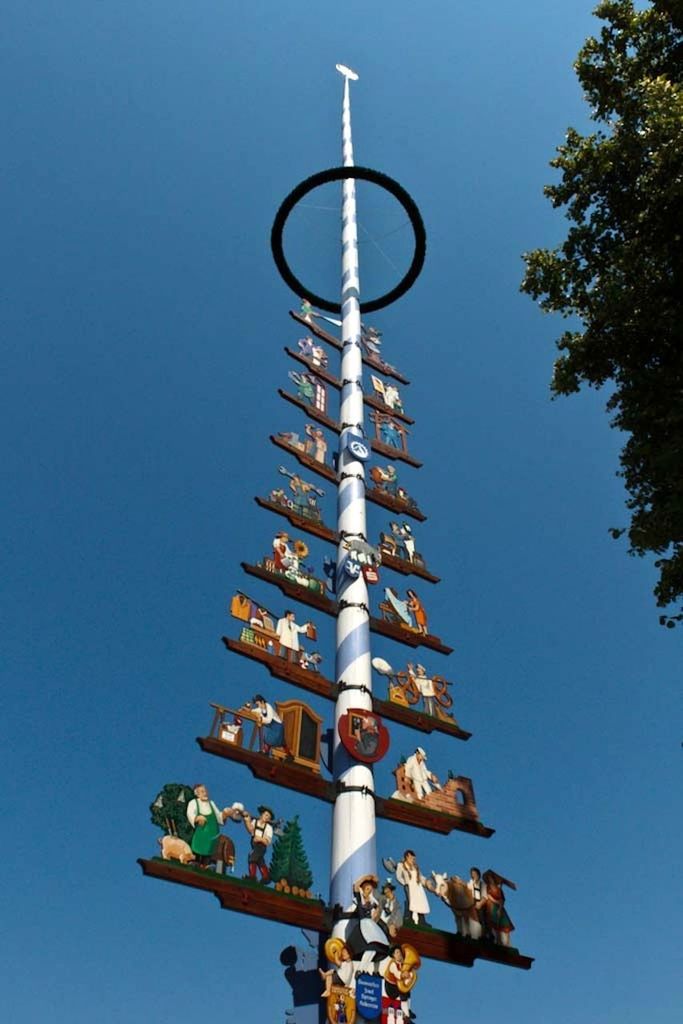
(477, 887)
(344, 970)
(367, 736)
(288, 632)
(300, 491)
(261, 832)
(206, 820)
(283, 555)
(404, 535)
(316, 444)
(390, 434)
(425, 687)
(417, 771)
(408, 874)
(391, 915)
(305, 386)
(392, 398)
(371, 339)
(386, 479)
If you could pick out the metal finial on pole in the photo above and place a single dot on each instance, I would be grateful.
(353, 827)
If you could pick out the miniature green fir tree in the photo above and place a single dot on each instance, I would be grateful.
(289, 860)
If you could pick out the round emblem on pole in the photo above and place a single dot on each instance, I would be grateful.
(363, 735)
(341, 174)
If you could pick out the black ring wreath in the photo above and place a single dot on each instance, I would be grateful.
(341, 174)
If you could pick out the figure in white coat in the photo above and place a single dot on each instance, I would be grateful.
(288, 632)
(417, 772)
(408, 874)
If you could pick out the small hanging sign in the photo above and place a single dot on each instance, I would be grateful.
(368, 996)
(370, 574)
(363, 735)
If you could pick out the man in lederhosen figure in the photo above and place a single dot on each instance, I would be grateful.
(261, 832)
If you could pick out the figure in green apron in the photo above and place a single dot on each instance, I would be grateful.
(206, 820)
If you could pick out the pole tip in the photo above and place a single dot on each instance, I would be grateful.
(346, 72)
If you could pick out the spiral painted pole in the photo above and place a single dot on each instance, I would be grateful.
(353, 826)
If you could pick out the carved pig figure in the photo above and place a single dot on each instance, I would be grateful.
(173, 848)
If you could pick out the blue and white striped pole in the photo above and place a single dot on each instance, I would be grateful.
(353, 826)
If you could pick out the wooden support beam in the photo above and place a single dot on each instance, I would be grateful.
(303, 780)
(374, 494)
(323, 604)
(313, 682)
(318, 529)
(377, 446)
(334, 382)
(260, 901)
(377, 364)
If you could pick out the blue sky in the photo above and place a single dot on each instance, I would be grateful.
(147, 147)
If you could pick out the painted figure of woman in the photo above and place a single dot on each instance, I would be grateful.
(272, 729)
(496, 917)
(417, 610)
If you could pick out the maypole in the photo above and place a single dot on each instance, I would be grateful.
(371, 944)
(353, 827)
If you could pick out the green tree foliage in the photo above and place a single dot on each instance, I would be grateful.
(620, 269)
(289, 860)
(169, 810)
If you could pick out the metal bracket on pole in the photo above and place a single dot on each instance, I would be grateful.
(341, 787)
(341, 685)
(354, 604)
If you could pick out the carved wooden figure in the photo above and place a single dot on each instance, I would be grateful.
(390, 432)
(391, 909)
(465, 899)
(417, 784)
(413, 686)
(310, 389)
(371, 340)
(314, 353)
(409, 613)
(385, 480)
(287, 560)
(313, 445)
(277, 636)
(496, 918)
(415, 885)
(260, 829)
(298, 500)
(288, 730)
(387, 393)
(399, 972)
(205, 819)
